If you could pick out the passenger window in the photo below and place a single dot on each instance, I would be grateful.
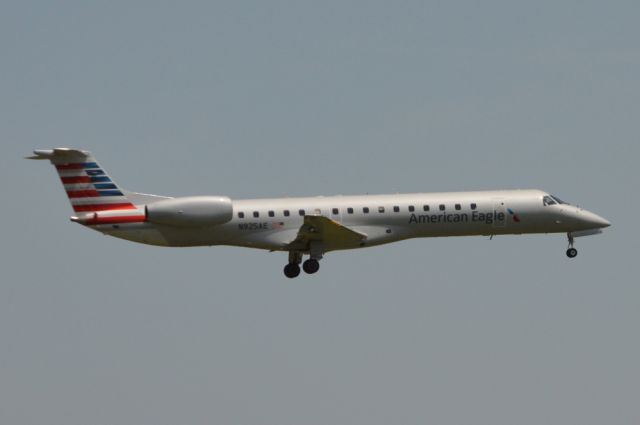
(256, 214)
(271, 214)
(349, 210)
(458, 207)
(335, 211)
(286, 213)
(365, 210)
(473, 206)
(301, 212)
(240, 214)
(442, 207)
(412, 208)
(425, 207)
(380, 209)
(396, 209)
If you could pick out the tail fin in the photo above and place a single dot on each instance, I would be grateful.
(94, 196)
(88, 186)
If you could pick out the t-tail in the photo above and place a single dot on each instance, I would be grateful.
(94, 196)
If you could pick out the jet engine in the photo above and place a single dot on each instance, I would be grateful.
(191, 211)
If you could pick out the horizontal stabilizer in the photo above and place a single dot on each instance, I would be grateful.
(59, 153)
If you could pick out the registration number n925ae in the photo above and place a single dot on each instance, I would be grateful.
(260, 226)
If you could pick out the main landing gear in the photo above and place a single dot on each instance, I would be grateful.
(310, 266)
(571, 251)
(291, 270)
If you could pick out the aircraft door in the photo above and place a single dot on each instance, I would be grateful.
(499, 213)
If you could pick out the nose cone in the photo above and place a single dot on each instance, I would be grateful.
(594, 221)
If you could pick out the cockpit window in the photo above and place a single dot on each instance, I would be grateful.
(548, 200)
(558, 200)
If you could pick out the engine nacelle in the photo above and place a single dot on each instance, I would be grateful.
(191, 211)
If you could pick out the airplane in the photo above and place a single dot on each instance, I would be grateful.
(310, 226)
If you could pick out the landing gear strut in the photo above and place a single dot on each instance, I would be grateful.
(292, 269)
(571, 251)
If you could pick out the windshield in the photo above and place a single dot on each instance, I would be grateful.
(558, 200)
(552, 200)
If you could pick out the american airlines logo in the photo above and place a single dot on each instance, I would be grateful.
(515, 216)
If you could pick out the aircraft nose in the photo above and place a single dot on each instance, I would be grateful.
(594, 220)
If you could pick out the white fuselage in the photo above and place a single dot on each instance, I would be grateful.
(305, 226)
(273, 224)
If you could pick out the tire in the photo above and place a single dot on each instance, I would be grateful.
(311, 266)
(572, 252)
(291, 270)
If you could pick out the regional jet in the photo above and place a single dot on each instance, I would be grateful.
(307, 226)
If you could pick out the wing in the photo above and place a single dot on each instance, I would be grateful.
(330, 234)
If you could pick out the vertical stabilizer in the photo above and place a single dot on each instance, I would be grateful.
(94, 196)
(86, 183)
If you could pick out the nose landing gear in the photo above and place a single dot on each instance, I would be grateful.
(571, 251)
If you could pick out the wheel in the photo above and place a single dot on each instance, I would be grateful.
(572, 252)
(291, 270)
(311, 266)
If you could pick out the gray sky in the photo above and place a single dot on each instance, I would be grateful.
(257, 99)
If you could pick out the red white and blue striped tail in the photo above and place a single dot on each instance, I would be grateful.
(94, 196)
